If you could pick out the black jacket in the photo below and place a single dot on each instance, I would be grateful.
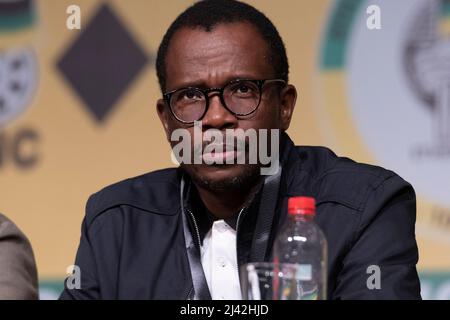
(133, 241)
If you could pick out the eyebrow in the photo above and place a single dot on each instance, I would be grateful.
(202, 84)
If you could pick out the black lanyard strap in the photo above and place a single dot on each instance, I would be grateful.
(201, 290)
(263, 228)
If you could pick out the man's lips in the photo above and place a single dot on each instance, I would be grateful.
(221, 154)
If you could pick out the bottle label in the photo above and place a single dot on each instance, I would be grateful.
(304, 272)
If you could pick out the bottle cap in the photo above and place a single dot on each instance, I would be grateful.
(301, 205)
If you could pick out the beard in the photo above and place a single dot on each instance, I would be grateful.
(247, 177)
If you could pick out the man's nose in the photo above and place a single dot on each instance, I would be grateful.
(218, 116)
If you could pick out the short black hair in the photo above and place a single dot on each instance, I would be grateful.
(207, 14)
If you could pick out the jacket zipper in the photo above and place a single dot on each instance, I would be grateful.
(238, 219)
(237, 229)
(195, 227)
(188, 297)
(199, 244)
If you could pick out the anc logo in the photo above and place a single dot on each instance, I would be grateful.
(18, 79)
(18, 66)
(385, 95)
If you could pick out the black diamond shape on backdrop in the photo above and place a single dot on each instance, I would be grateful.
(102, 62)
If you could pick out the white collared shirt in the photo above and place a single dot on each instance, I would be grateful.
(219, 261)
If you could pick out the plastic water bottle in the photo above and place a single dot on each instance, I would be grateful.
(300, 255)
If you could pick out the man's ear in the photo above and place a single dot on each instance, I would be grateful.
(163, 116)
(288, 97)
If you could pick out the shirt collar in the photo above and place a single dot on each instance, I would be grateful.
(203, 217)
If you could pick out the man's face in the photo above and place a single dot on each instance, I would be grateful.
(197, 58)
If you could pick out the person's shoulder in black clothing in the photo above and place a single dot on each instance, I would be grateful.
(368, 214)
(148, 192)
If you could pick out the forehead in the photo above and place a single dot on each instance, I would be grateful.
(229, 51)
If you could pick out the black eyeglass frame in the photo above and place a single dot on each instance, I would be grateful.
(260, 84)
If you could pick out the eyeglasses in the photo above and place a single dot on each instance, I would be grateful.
(240, 97)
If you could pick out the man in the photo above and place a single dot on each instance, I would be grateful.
(18, 275)
(183, 233)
